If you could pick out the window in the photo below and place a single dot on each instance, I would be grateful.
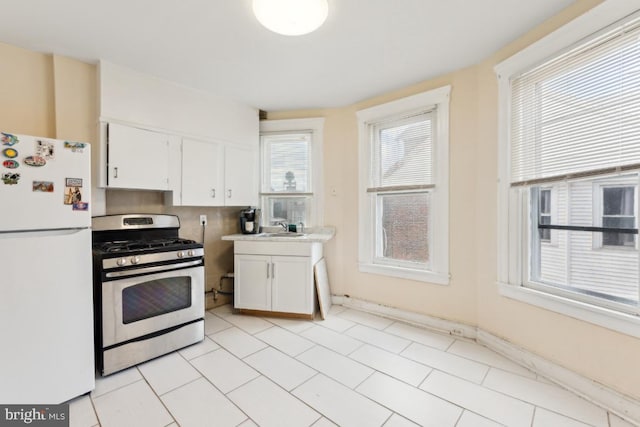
(545, 214)
(569, 170)
(291, 171)
(618, 211)
(403, 179)
(287, 192)
(401, 184)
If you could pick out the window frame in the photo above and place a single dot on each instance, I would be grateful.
(315, 127)
(438, 269)
(512, 217)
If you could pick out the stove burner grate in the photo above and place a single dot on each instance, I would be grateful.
(139, 245)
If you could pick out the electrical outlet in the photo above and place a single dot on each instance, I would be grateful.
(203, 220)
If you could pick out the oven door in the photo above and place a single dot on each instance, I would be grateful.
(136, 306)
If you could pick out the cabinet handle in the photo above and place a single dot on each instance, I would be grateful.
(213, 193)
(115, 172)
(267, 270)
(229, 193)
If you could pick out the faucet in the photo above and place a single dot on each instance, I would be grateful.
(284, 225)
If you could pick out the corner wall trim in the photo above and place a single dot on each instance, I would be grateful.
(601, 395)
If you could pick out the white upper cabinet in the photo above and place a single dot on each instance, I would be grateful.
(129, 96)
(202, 173)
(196, 128)
(214, 174)
(137, 158)
(241, 176)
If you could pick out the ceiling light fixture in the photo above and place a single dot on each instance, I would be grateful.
(291, 17)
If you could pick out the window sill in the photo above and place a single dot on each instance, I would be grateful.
(610, 319)
(405, 273)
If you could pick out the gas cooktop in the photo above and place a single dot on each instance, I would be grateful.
(140, 245)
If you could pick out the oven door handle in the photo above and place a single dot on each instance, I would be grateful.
(153, 269)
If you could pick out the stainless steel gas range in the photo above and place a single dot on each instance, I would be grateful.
(148, 289)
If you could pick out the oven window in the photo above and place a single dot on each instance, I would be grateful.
(155, 297)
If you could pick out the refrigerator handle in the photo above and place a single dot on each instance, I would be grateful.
(115, 172)
(39, 233)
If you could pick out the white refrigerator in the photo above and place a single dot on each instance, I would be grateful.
(46, 291)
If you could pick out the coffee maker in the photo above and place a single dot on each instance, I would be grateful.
(250, 221)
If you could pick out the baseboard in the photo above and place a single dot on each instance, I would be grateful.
(605, 397)
(440, 325)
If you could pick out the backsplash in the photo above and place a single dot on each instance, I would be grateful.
(220, 221)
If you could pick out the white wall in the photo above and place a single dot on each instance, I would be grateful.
(129, 96)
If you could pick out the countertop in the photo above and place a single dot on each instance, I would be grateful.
(316, 234)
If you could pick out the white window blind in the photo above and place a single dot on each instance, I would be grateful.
(287, 163)
(579, 114)
(402, 157)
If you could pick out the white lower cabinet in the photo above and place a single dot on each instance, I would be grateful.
(275, 276)
(291, 284)
(252, 288)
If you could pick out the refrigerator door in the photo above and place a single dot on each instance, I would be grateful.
(44, 183)
(46, 316)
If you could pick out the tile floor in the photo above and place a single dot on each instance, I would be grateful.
(352, 369)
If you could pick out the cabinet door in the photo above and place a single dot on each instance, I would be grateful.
(202, 173)
(138, 158)
(241, 176)
(252, 288)
(292, 285)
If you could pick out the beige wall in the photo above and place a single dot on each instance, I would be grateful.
(472, 297)
(456, 301)
(26, 92)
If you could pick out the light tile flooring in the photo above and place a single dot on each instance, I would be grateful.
(352, 369)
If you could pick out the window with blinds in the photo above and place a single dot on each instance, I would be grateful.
(403, 197)
(401, 177)
(287, 164)
(575, 128)
(403, 153)
(579, 114)
(286, 177)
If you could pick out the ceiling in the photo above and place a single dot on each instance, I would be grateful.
(365, 48)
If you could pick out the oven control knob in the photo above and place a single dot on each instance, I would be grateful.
(135, 259)
(190, 252)
(121, 261)
(180, 254)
